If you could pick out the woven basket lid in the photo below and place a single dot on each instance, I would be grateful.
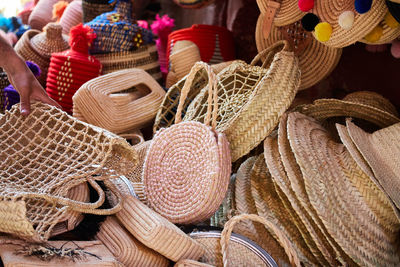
(380, 150)
(343, 195)
(330, 10)
(50, 41)
(245, 204)
(125, 248)
(156, 232)
(365, 105)
(72, 16)
(316, 61)
(296, 182)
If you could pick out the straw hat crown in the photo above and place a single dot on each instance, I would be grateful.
(50, 41)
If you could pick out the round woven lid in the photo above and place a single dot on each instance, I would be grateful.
(365, 105)
(50, 41)
(286, 12)
(343, 195)
(316, 61)
(380, 150)
(330, 10)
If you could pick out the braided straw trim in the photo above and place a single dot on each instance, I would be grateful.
(343, 196)
(245, 205)
(251, 98)
(270, 207)
(329, 11)
(283, 240)
(287, 13)
(94, 101)
(296, 182)
(156, 232)
(191, 263)
(125, 247)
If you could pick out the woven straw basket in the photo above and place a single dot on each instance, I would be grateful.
(145, 57)
(250, 98)
(227, 249)
(107, 102)
(125, 247)
(93, 8)
(191, 263)
(345, 198)
(156, 232)
(42, 157)
(187, 168)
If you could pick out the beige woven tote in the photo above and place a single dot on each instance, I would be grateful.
(156, 232)
(191, 263)
(43, 156)
(125, 247)
(110, 102)
(187, 168)
(356, 213)
(250, 98)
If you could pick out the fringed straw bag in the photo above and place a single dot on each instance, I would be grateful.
(187, 168)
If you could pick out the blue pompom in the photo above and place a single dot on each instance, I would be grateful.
(362, 6)
(34, 68)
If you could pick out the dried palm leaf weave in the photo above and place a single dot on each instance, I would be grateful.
(43, 156)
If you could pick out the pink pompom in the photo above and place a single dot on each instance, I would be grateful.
(376, 48)
(306, 5)
(162, 26)
(143, 24)
(395, 49)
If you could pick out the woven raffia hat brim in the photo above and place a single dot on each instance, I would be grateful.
(323, 250)
(316, 61)
(49, 152)
(296, 179)
(380, 150)
(145, 57)
(245, 204)
(287, 13)
(343, 195)
(388, 35)
(156, 232)
(330, 10)
(270, 207)
(125, 247)
(251, 99)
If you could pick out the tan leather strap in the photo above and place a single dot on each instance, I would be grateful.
(268, 9)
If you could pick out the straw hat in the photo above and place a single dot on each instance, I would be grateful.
(93, 8)
(296, 183)
(107, 102)
(316, 61)
(390, 31)
(39, 46)
(145, 57)
(125, 247)
(156, 232)
(380, 151)
(356, 213)
(365, 105)
(72, 16)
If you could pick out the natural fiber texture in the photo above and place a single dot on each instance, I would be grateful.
(125, 247)
(106, 101)
(191, 263)
(136, 175)
(187, 168)
(380, 150)
(3, 84)
(365, 105)
(330, 10)
(145, 58)
(270, 207)
(316, 61)
(72, 16)
(389, 34)
(251, 99)
(156, 232)
(287, 12)
(245, 205)
(183, 57)
(43, 156)
(343, 196)
(93, 8)
(42, 14)
(193, 3)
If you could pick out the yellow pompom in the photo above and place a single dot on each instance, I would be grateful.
(391, 21)
(323, 31)
(375, 34)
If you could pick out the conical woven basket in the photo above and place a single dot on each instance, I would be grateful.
(43, 156)
(125, 247)
(187, 168)
(356, 213)
(250, 98)
(104, 102)
(156, 232)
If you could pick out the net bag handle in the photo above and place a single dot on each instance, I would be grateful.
(269, 52)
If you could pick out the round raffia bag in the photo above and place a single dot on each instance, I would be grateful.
(251, 98)
(187, 168)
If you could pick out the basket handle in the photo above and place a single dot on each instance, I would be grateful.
(283, 240)
(212, 107)
(269, 52)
